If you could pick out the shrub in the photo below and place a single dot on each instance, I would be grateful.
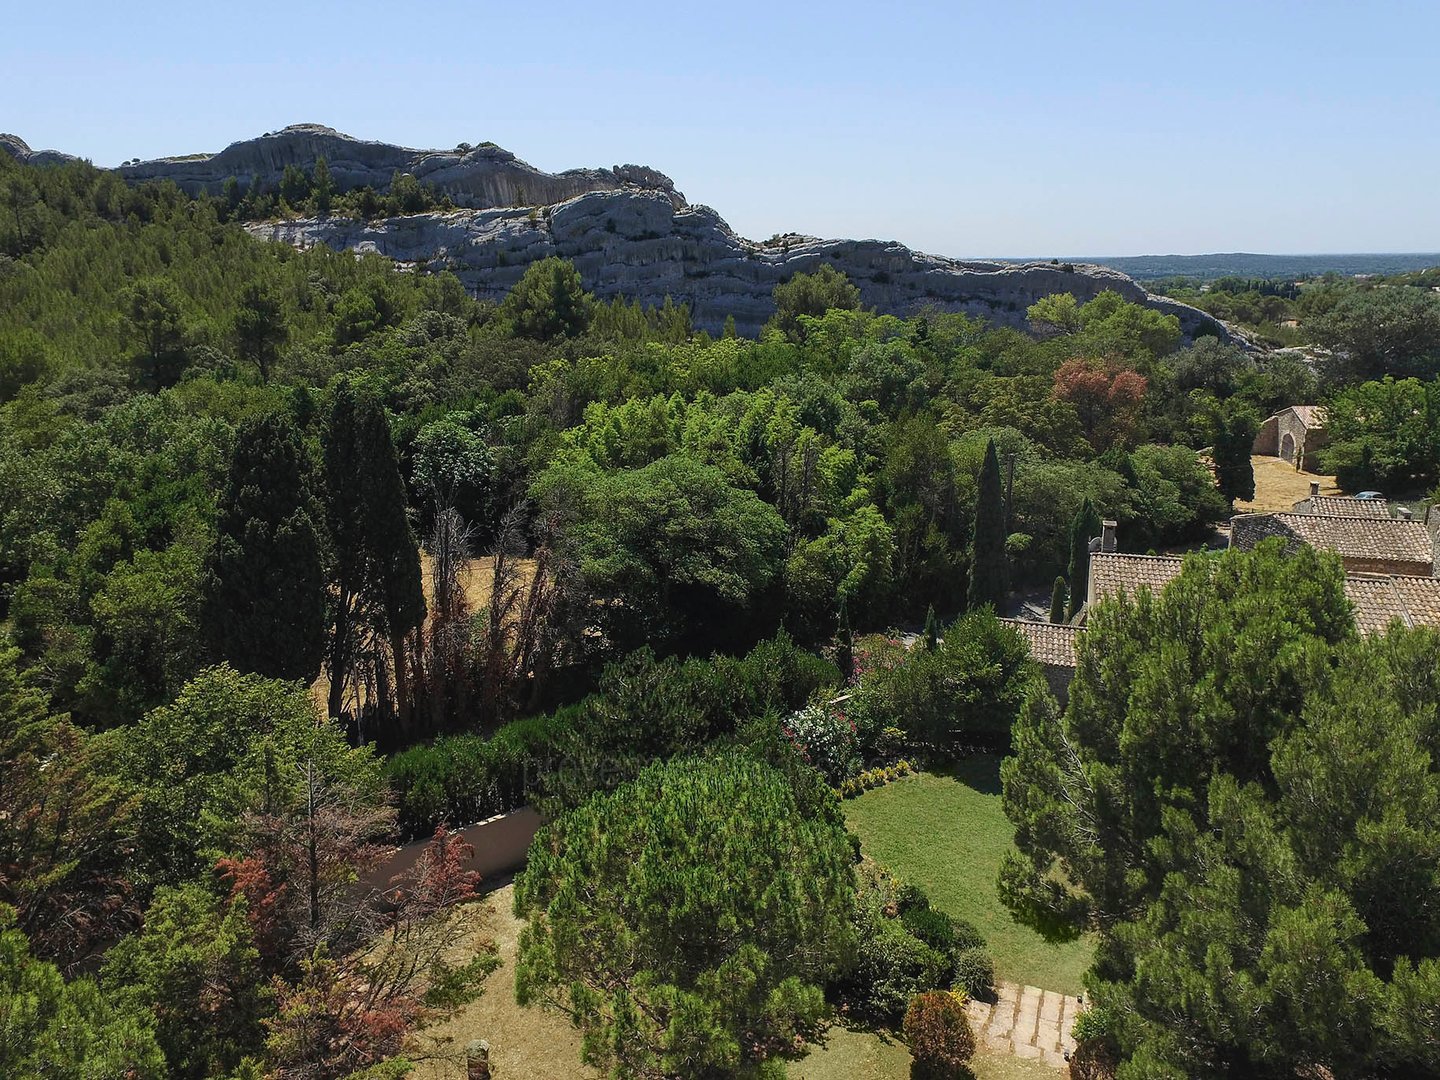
(974, 972)
(892, 964)
(970, 688)
(825, 738)
(465, 778)
(935, 928)
(967, 935)
(873, 778)
(941, 1040)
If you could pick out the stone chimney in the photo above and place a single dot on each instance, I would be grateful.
(1404, 512)
(1107, 536)
(1314, 488)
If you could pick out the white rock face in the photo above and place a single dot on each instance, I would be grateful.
(480, 177)
(626, 228)
(19, 149)
(642, 245)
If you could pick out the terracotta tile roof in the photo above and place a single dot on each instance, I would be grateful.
(1052, 644)
(1343, 506)
(1376, 601)
(1111, 572)
(1312, 416)
(1348, 537)
(1422, 599)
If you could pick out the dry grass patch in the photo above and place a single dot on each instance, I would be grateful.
(531, 1043)
(1278, 486)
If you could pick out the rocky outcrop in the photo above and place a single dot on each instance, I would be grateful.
(477, 177)
(20, 150)
(644, 245)
(626, 228)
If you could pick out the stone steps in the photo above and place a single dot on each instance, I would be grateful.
(1028, 1022)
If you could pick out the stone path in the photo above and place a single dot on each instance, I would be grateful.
(1027, 1022)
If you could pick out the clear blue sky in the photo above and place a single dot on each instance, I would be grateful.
(1000, 128)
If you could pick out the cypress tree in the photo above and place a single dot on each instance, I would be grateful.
(263, 607)
(989, 568)
(932, 629)
(1085, 526)
(1234, 439)
(376, 559)
(845, 656)
(1058, 596)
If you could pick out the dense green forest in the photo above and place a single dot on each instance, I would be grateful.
(300, 554)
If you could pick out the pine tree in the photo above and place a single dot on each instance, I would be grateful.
(1058, 597)
(1085, 526)
(322, 190)
(264, 599)
(377, 562)
(989, 568)
(260, 329)
(932, 629)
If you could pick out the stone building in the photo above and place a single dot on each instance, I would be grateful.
(1365, 545)
(1295, 434)
(1053, 647)
(1378, 601)
(1343, 505)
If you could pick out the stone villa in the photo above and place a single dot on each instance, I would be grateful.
(1389, 565)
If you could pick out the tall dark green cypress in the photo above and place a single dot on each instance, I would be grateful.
(376, 559)
(1059, 594)
(344, 512)
(989, 567)
(264, 588)
(932, 629)
(1085, 526)
(1235, 430)
(845, 654)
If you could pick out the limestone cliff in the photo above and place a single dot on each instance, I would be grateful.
(19, 149)
(627, 229)
(642, 245)
(476, 177)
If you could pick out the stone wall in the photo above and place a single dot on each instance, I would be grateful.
(1057, 678)
(501, 844)
(1285, 435)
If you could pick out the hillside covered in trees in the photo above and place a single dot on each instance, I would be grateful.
(243, 488)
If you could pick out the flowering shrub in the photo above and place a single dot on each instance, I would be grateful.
(874, 653)
(825, 737)
(873, 778)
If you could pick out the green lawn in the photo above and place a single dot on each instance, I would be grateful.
(947, 834)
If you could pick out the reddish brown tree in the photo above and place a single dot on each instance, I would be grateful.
(1106, 396)
(354, 967)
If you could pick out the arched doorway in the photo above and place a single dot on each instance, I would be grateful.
(1287, 447)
